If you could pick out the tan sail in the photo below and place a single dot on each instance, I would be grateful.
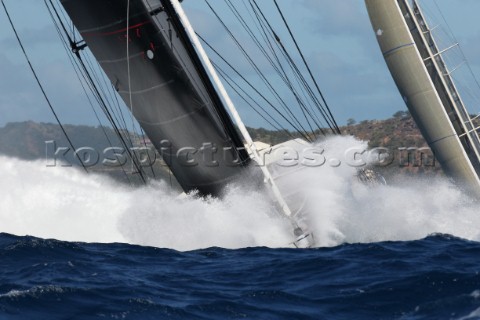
(417, 66)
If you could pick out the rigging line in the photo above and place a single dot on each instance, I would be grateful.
(302, 84)
(117, 111)
(265, 37)
(113, 95)
(85, 71)
(299, 77)
(255, 39)
(151, 164)
(76, 68)
(40, 84)
(121, 135)
(302, 105)
(73, 31)
(108, 88)
(128, 68)
(455, 40)
(467, 91)
(264, 22)
(102, 89)
(306, 91)
(124, 133)
(262, 31)
(99, 97)
(289, 59)
(69, 38)
(290, 85)
(279, 68)
(256, 68)
(96, 76)
(134, 131)
(306, 65)
(143, 134)
(288, 133)
(114, 107)
(104, 106)
(129, 72)
(232, 82)
(271, 88)
(303, 134)
(256, 91)
(262, 26)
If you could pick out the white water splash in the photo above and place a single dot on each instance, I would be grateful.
(66, 204)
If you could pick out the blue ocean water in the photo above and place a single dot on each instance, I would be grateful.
(434, 278)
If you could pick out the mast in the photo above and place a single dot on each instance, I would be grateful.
(459, 115)
(250, 145)
(420, 74)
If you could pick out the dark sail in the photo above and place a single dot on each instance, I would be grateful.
(172, 95)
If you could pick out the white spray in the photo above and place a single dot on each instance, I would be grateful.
(67, 204)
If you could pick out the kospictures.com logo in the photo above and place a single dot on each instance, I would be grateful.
(211, 156)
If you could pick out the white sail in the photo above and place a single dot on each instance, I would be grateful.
(418, 69)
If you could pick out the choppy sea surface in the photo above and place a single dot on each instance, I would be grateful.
(407, 250)
(433, 278)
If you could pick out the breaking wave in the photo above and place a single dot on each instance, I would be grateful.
(67, 204)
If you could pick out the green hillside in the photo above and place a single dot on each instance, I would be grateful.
(41, 141)
(31, 140)
(398, 134)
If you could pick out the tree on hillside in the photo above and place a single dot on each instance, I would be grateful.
(351, 122)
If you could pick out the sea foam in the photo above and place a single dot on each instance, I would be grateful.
(68, 204)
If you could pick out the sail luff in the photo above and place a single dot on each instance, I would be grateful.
(416, 85)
